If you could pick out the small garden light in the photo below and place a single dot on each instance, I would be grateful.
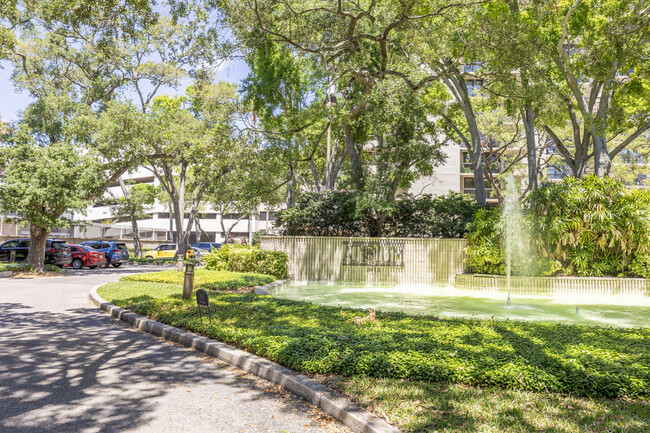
(188, 282)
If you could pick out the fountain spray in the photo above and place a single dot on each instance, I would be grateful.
(514, 230)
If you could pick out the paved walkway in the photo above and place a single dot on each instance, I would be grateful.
(66, 366)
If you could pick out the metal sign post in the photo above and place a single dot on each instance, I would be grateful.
(202, 299)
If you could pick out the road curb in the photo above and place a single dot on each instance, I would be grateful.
(339, 407)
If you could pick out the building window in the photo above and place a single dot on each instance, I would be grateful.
(474, 87)
(555, 173)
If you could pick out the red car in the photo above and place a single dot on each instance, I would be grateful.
(83, 255)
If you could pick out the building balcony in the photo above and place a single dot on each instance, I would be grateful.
(490, 193)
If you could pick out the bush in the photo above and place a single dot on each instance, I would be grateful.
(484, 253)
(445, 216)
(337, 214)
(244, 258)
(593, 227)
(24, 267)
(586, 361)
(330, 213)
(584, 227)
(205, 279)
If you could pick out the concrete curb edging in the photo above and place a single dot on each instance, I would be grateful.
(320, 396)
(264, 290)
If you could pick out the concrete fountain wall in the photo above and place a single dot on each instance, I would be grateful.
(574, 286)
(371, 260)
(423, 261)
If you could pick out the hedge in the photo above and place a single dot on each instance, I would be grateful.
(25, 267)
(243, 258)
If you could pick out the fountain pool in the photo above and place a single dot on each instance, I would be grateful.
(618, 311)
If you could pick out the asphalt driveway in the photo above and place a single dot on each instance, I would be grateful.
(66, 366)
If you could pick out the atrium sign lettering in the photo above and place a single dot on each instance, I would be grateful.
(374, 253)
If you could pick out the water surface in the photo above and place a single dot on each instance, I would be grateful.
(593, 310)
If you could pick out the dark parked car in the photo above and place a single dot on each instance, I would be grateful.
(207, 246)
(116, 252)
(57, 251)
(83, 255)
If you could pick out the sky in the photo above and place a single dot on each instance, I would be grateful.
(12, 101)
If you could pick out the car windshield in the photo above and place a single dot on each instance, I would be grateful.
(87, 248)
(122, 247)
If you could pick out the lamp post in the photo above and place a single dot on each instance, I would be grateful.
(188, 282)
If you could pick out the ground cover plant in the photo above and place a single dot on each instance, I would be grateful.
(25, 267)
(420, 406)
(205, 278)
(531, 356)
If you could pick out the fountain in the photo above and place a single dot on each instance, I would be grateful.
(514, 232)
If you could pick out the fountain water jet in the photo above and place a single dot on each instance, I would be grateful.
(514, 231)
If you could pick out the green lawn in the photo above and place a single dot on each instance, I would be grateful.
(418, 406)
(429, 374)
(206, 279)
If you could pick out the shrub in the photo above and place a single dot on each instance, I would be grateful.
(585, 227)
(484, 253)
(206, 279)
(331, 213)
(338, 214)
(24, 267)
(593, 227)
(445, 216)
(244, 258)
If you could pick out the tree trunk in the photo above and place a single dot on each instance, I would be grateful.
(476, 155)
(179, 210)
(37, 241)
(458, 88)
(602, 161)
(291, 191)
(355, 159)
(136, 237)
(528, 117)
(134, 222)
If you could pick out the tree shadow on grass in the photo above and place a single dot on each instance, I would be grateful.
(436, 407)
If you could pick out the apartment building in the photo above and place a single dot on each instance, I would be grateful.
(159, 225)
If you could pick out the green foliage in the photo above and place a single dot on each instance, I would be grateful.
(205, 279)
(485, 253)
(445, 216)
(323, 214)
(141, 198)
(341, 213)
(593, 227)
(243, 258)
(40, 184)
(588, 227)
(25, 267)
(594, 362)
